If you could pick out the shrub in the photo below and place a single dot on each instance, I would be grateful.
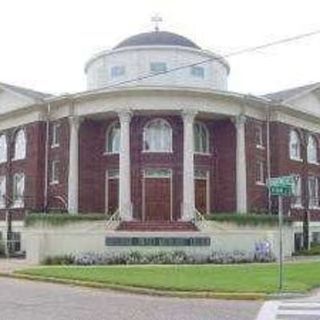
(314, 251)
(247, 219)
(59, 260)
(162, 257)
(2, 248)
(59, 219)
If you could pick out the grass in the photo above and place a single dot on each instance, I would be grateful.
(60, 219)
(258, 278)
(247, 219)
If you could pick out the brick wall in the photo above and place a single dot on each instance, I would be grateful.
(32, 167)
(94, 163)
(257, 195)
(224, 177)
(281, 164)
(58, 193)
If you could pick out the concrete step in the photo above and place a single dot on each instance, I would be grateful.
(156, 226)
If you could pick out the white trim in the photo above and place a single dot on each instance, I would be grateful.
(259, 146)
(296, 159)
(53, 174)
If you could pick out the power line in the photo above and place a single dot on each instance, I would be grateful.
(222, 57)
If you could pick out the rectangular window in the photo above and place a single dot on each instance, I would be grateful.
(200, 174)
(113, 174)
(316, 237)
(259, 136)
(296, 190)
(313, 192)
(260, 172)
(157, 173)
(2, 191)
(158, 67)
(18, 190)
(117, 71)
(55, 135)
(54, 172)
(197, 71)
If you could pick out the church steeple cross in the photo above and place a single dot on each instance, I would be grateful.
(156, 19)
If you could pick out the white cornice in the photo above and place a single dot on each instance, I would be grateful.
(121, 90)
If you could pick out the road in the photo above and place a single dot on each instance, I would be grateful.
(293, 309)
(27, 300)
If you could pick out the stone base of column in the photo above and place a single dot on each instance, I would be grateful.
(188, 212)
(125, 212)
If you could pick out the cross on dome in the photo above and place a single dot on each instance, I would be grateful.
(156, 19)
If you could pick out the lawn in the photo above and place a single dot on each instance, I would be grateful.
(260, 278)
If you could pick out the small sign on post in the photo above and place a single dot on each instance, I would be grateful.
(281, 187)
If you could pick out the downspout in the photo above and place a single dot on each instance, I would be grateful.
(46, 165)
(268, 157)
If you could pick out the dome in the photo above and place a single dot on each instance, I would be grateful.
(157, 38)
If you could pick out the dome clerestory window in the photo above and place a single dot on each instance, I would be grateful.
(197, 72)
(158, 67)
(117, 71)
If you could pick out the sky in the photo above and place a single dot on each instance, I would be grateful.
(45, 44)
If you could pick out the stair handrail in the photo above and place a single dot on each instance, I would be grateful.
(199, 220)
(113, 219)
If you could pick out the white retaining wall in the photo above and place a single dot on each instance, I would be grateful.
(47, 241)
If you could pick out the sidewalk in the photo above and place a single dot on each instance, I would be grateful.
(13, 264)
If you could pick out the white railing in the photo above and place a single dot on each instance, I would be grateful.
(114, 220)
(199, 220)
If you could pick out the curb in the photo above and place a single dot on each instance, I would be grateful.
(146, 291)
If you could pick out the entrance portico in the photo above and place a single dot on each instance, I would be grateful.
(182, 190)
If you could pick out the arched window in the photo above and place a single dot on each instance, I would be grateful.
(3, 148)
(18, 189)
(294, 145)
(20, 145)
(201, 138)
(113, 138)
(312, 149)
(157, 136)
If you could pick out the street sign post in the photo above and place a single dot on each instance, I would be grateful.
(281, 187)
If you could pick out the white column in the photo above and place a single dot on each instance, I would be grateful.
(241, 168)
(188, 207)
(125, 205)
(73, 175)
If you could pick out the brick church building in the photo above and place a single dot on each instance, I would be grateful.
(157, 136)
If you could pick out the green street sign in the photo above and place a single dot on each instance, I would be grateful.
(281, 186)
(284, 191)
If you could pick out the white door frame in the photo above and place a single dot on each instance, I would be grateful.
(108, 177)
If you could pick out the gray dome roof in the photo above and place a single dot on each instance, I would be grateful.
(154, 38)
